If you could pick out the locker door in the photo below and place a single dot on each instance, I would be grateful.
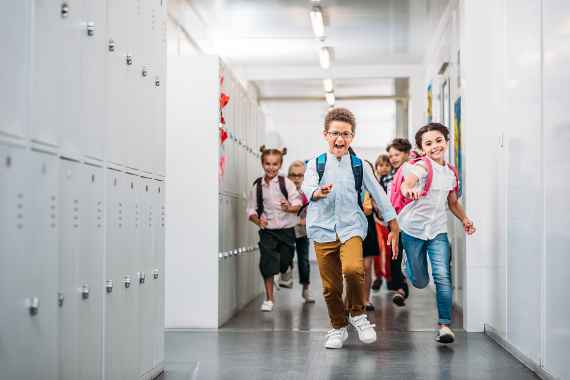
(115, 280)
(71, 219)
(93, 50)
(14, 76)
(70, 84)
(46, 72)
(131, 254)
(159, 84)
(117, 59)
(158, 277)
(132, 138)
(90, 273)
(145, 267)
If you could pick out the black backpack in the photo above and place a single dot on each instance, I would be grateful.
(259, 193)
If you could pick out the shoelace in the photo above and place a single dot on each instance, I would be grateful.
(333, 332)
(362, 323)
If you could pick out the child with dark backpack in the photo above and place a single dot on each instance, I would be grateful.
(273, 204)
(334, 182)
(422, 193)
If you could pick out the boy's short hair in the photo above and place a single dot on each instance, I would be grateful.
(340, 114)
(296, 164)
(431, 127)
(400, 144)
(382, 158)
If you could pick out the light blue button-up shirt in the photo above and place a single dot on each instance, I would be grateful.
(339, 213)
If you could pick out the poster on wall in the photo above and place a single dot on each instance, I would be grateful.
(457, 149)
(429, 113)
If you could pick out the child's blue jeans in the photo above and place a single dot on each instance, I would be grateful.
(417, 252)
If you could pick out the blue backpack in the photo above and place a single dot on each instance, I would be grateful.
(357, 171)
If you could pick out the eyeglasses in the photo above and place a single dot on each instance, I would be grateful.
(296, 175)
(344, 135)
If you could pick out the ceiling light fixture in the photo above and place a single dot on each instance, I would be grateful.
(328, 85)
(329, 96)
(325, 57)
(317, 22)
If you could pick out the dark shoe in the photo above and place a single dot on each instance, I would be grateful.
(377, 284)
(406, 289)
(370, 307)
(445, 335)
(399, 299)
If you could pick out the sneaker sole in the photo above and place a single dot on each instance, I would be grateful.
(368, 341)
(445, 339)
(310, 301)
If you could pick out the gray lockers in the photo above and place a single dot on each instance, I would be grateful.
(82, 165)
(212, 257)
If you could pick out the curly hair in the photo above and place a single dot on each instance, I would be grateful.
(340, 114)
(431, 127)
(400, 144)
(270, 152)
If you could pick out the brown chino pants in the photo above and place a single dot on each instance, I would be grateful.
(336, 259)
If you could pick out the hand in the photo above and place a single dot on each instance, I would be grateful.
(262, 222)
(394, 238)
(468, 226)
(285, 205)
(323, 192)
(411, 193)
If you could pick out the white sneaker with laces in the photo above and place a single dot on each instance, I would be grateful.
(336, 338)
(286, 279)
(307, 296)
(364, 328)
(267, 306)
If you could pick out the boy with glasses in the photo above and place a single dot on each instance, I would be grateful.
(334, 182)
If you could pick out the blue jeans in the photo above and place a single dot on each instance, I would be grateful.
(417, 251)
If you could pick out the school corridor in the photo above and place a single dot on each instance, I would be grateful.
(164, 162)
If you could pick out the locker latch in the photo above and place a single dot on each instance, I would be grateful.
(142, 277)
(111, 45)
(109, 286)
(157, 82)
(64, 10)
(127, 281)
(34, 305)
(129, 60)
(85, 291)
(90, 28)
(155, 274)
(144, 71)
(60, 299)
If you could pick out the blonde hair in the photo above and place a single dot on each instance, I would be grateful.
(296, 164)
(269, 152)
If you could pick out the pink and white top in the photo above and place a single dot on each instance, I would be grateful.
(272, 197)
(426, 217)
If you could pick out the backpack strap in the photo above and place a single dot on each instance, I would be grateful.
(454, 170)
(321, 162)
(259, 197)
(429, 178)
(283, 187)
(358, 172)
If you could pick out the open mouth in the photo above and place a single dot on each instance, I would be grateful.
(339, 146)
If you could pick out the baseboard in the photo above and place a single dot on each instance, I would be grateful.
(492, 333)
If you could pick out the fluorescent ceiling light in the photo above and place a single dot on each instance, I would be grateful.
(325, 57)
(328, 85)
(329, 96)
(317, 22)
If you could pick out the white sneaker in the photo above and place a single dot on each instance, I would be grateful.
(336, 338)
(445, 335)
(308, 296)
(267, 306)
(286, 279)
(364, 328)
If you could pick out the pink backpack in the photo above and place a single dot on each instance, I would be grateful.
(398, 200)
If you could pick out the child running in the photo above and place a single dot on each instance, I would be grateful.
(432, 186)
(336, 223)
(399, 153)
(296, 174)
(273, 204)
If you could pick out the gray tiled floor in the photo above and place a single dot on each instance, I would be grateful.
(288, 344)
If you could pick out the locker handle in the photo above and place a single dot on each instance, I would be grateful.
(142, 277)
(155, 274)
(64, 10)
(109, 286)
(127, 281)
(157, 84)
(34, 306)
(60, 299)
(111, 45)
(129, 60)
(90, 28)
(144, 73)
(85, 291)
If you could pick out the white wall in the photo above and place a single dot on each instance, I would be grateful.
(514, 61)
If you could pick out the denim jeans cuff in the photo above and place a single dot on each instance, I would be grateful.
(444, 321)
